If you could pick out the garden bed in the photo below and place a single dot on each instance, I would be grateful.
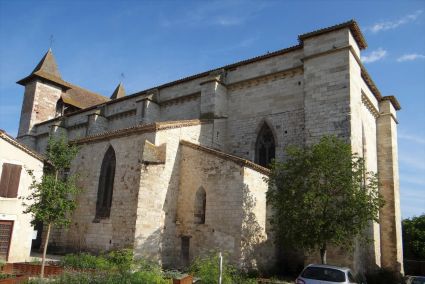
(30, 269)
(14, 279)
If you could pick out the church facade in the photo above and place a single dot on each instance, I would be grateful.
(177, 170)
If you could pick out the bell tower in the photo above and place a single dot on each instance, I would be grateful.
(43, 89)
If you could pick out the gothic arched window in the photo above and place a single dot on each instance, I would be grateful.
(200, 206)
(265, 146)
(106, 184)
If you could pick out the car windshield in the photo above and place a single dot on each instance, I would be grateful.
(418, 280)
(324, 274)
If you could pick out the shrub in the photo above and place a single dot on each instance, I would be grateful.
(118, 259)
(150, 277)
(207, 269)
(145, 277)
(121, 259)
(85, 261)
(147, 265)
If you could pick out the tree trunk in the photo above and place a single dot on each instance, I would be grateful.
(43, 261)
(323, 253)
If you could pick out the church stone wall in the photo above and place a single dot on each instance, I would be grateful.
(277, 102)
(363, 138)
(180, 109)
(155, 228)
(117, 231)
(235, 216)
(266, 66)
(178, 90)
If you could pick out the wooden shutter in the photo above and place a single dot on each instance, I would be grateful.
(9, 183)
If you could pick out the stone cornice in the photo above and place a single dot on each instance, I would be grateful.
(369, 105)
(352, 25)
(181, 99)
(122, 114)
(77, 125)
(393, 101)
(330, 51)
(237, 160)
(266, 78)
(392, 116)
(138, 129)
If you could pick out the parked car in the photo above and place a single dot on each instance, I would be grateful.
(415, 280)
(326, 274)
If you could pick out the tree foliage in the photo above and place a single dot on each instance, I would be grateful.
(53, 199)
(322, 195)
(414, 237)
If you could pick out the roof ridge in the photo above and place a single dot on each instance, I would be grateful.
(13, 141)
(238, 160)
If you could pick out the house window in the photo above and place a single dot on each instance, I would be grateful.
(200, 206)
(9, 183)
(265, 146)
(106, 184)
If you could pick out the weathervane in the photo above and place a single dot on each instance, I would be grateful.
(122, 76)
(51, 41)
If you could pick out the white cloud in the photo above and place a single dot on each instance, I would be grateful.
(215, 13)
(389, 25)
(229, 21)
(413, 179)
(412, 138)
(410, 57)
(374, 55)
(415, 162)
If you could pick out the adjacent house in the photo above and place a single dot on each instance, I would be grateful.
(16, 231)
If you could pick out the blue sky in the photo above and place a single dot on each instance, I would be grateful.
(153, 42)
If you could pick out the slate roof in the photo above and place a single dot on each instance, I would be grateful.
(74, 95)
(48, 64)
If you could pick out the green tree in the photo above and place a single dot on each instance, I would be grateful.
(321, 196)
(414, 237)
(53, 199)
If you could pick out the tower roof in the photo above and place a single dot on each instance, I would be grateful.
(48, 65)
(47, 70)
(119, 92)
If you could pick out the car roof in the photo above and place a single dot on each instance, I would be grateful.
(345, 269)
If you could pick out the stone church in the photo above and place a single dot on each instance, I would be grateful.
(178, 170)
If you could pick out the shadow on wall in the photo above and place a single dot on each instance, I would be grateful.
(256, 248)
(160, 246)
